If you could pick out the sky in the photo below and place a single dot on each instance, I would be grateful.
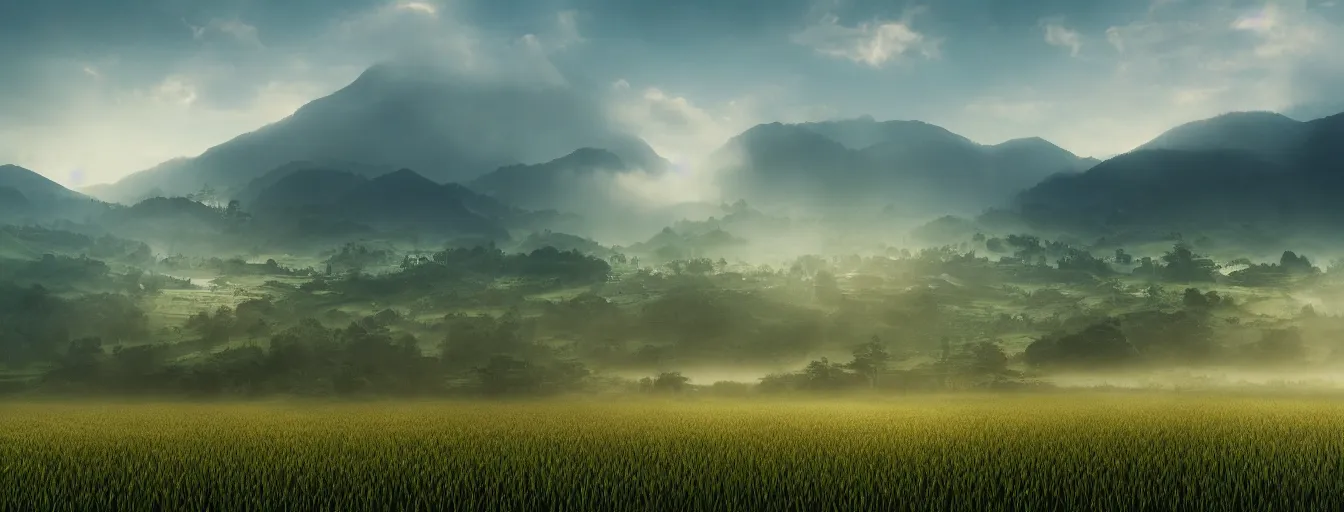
(94, 90)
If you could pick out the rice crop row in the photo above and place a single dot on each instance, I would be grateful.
(1097, 452)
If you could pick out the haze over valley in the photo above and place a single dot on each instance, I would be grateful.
(696, 255)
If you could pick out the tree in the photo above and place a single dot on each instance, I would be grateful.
(985, 358)
(826, 287)
(870, 360)
(1295, 264)
(1099, 345)
(825, 375)
(995, 245)
(504, 374)
(1278, 346)
(1183, 265)
(670, 382)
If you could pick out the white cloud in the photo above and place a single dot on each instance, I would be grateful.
(1056, 34)
(174, 90)
(871, 43)
(235, 30)
(567, 30)
(423, 8)
(125, 121)
(1117, 40)
(688, 133)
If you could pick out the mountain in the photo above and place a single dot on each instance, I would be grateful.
(569, 183)
(13, 202)
(1267, 135)
(1288, 181)
(248, 194)
(865, 164)
(29, 197)
(404, 116)
(299, 190)
(34, 186)
(400, 200)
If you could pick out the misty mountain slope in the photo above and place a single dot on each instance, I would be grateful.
(34, 186)
(29, 197)
(301, 190)
(398, 200)
(1320, 147)
(1268, 135)
(865, 164)
(864, 132)
(13, 202)
(778, 163)
(1285, 192)
(569, 183)
(405, 117)
(249, 193)
(1155, 188)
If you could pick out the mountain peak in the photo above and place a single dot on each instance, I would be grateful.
(404, 177)
(34, 185)
(446, 125)
(594, 158)
(1268, 135)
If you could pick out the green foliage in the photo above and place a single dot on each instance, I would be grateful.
(1182, 265)
(1099, 345)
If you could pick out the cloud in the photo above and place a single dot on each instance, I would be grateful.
(424, 8)
(688, 133)
(127, 109)
(872, 43)
(1175, 63)
(1056, 34)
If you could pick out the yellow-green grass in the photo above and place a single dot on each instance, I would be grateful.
(1046, 452)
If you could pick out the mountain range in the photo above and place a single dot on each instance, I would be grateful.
(378, 153)
(1247, 170)
(27, 195)
(401, 116)
(916, 166)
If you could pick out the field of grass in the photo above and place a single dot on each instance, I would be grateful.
(1041, 452)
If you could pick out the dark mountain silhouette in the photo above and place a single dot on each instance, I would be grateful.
(864, 163)
(12, 201)
(404, 116)
(400, 200)
(569, 183)
(300, 191)
(248, 194)
(26, 196)
(34, 186)
(1287, 185)
(1267, 135)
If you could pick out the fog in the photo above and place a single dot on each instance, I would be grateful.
(376, 296)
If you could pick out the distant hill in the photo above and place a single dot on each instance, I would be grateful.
(1259, 171)
(248, 193)
(13, 201)
(563, 242)
(26, 196)
(1267, 135)
(400, 200)
(403, 116)
(862, 163)
(34, 186)
(570, 183)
